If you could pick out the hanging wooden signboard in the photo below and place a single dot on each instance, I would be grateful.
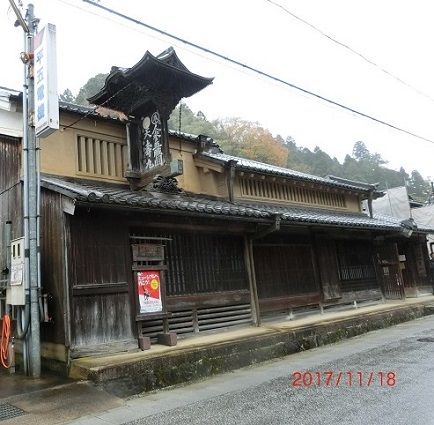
(153, 140)
(147, 252)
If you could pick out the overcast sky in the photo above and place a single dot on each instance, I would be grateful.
(397, 35)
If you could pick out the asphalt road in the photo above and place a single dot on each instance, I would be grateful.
(265, 394)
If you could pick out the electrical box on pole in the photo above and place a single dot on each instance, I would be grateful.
(15, 291)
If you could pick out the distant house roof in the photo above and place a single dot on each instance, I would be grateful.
(120, 196)
(255, 166)
(89, 111)
(6, 93)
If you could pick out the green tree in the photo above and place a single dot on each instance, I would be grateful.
(322, 164)
(92, 86)
(360, 151)
(67, 96)
(185, 120)
(418, 187)
(250, 140)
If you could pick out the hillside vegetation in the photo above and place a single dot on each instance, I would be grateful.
(249, 140)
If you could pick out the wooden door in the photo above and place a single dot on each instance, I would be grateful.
(325, 249)
(389, 271)
(285, 276)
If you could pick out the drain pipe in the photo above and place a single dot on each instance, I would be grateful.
(231, 179)
(23, 314)
(275, 227)
(250, 264)
(42, 310)
(370, 198)
(7, 272)
(8, 238)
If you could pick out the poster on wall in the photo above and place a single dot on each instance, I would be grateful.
(149, 290)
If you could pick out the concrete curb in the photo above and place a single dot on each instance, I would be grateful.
(186, 365)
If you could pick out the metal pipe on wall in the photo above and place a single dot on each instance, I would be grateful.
(42, 313)
(7, 242)
(23, 315)
(8, 238)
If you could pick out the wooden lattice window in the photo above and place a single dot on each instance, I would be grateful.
(355, 261)
(202, 263)
(280, 191)
(284, 270)
(98, 157)
(97, 253)
(420, 260)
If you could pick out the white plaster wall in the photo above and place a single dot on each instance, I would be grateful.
(11, 123)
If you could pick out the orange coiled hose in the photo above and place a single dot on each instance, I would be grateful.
(4, 341)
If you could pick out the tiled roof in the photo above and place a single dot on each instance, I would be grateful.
(122, 196)
(6, 92)
(131, 89)
(185, 136)
(78, 109)
(250, 165)
(322, 216)
(116, 195)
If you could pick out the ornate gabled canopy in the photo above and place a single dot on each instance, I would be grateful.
(162, 80)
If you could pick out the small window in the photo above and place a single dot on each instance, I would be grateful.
(355, 261)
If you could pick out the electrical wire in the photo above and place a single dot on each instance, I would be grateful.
(353, 51)
(178, 45)
(257, 71)
(192, 51)
(10, 187)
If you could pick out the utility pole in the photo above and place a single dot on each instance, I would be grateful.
(31, 186)
(35, 332)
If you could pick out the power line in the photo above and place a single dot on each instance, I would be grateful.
(181, 46)
(349, 48)
(264, 74)
(148, 34)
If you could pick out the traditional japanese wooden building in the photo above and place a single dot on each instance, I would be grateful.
(234, 239)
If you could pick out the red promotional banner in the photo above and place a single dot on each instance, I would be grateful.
(149, 291)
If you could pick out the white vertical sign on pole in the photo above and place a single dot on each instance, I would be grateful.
(45, 77)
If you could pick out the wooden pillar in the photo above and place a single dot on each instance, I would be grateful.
(314, 257)
(251, 273)
(326, 271)
(134, 166)
(231, 179)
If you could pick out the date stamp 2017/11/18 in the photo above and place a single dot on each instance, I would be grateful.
(331, 378)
